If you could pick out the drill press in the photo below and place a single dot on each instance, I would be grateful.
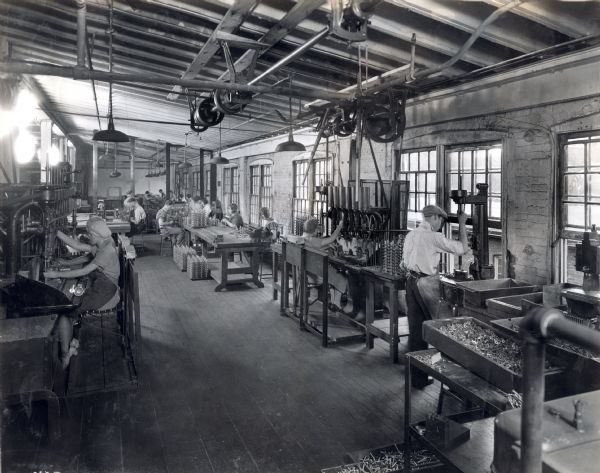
(584, 302)
(480, 267)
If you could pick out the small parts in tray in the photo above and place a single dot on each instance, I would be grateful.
(429, 359)
(389, 459)
(501, 350)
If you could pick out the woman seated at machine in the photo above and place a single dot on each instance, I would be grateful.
(233, 218)
(101, 266)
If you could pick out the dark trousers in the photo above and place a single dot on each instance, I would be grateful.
(136, 228)
(417, 313)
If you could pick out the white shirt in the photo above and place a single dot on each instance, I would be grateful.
(207, 209)
(423, 246)
(196, 207)
(139, 214)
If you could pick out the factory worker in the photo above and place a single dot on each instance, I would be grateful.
(310, 239)
(233, 219)
(421, 255)
(138, 217)
(196, 205)
(270, 226)
(101, 266)
(166, 225)
(207, 207)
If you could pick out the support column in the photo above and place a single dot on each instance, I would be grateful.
(8, 91)
(132, 163)
(201, 183)
(168, 169)
(94, 175)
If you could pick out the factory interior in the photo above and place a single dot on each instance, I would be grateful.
(292, 236)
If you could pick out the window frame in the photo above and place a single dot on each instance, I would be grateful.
(231, 186)
(261, 190)
(430, 197)
(306, 201)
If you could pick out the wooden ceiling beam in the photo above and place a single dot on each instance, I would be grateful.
(557, 17)
(234, 17)
(464, 18)
(299, 12)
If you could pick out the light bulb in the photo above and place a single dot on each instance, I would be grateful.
(54, 156)
(24, 147)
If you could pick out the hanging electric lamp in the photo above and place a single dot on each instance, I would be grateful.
(111, 135)
(219, 159)
(185, 164)
(290, 144)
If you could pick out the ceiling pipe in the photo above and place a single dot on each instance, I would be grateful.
(290, 57)
(457, 57)
(84, 74)
(81, 36)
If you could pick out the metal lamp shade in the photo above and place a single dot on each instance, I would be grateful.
(218, 160)
(115, 173)
(111, 135)
(290, 145)
(185, 165)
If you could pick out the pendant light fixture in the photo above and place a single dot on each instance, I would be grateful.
(111, 135)
(290, 144)
(115, 173)
(219, 159)
(185, 164)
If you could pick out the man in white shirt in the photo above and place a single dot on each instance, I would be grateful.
(421, 254)
(166, 225)
(138, 217)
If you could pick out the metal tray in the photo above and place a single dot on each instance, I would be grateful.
(512, 306)
(477, 292)
(479, 364)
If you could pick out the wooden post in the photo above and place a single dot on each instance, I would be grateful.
(168, 169)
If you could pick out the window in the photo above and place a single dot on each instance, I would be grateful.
(261, 191)
(307, 201)
(207, 189)
(580, 196)
(467, 166)
(231, 187)
(419, 168)
(196, 182)
(300, 209)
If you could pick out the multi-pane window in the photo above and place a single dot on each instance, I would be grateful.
(207, 188)
(581, 183)
(261, 191)
(419, 168)
(231, 187)
(307, 200)
(580, 196)
(196, 183)
(300, 209)
(322, 172)
(468, 166)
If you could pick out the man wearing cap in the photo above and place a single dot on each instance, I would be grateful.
(101, 266)
(421, 254)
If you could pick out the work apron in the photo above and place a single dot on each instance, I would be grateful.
(99, 291)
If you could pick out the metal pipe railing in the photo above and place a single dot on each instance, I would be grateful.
(535, 328)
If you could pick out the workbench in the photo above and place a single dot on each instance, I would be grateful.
(391, 334)
(226, 242)
(475, 454)
(115, 225)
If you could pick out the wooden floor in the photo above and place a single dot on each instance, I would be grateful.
(226, 385)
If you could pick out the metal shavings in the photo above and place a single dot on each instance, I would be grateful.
(515, 399)
(429, 360)
(565, 345)
(389, 460)
(500, 350)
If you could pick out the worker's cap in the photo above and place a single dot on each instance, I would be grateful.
(310, 225)
(431, 210)
(233, 206)
(98, 227)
